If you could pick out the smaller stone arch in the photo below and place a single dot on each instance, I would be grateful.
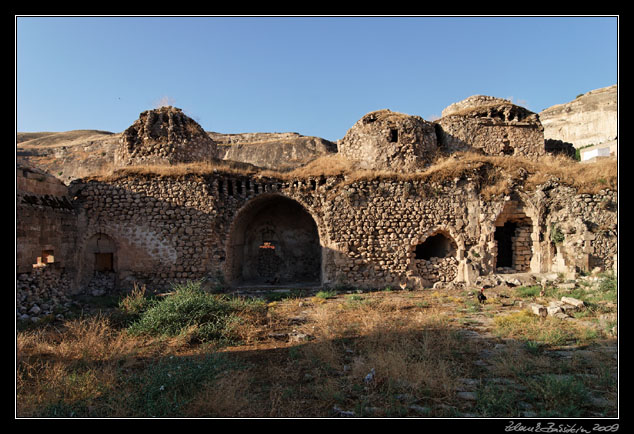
(99, 259)
(435, 256)
(513, 239)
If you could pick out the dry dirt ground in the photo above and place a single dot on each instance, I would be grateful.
(436, 354)
(388, 353)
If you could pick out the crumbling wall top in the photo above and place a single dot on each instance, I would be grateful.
(164, 135)
(499, 109)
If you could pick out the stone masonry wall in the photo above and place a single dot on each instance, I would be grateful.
(388, 140)
(582, 229)
(164, 136)
(169, 229)
(45, 220)
(46, 227)
(166, 229)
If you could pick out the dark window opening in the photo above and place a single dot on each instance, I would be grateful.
(239, 187)
(436, 246)
(103, 262)
(256, 188)
(230, 188)
(496, 114)
(393, 135)
(220, 186)
(504, 237)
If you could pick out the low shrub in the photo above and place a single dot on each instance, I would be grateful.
(528, 291)
(204, 317)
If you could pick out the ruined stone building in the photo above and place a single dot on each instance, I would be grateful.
(246, 228)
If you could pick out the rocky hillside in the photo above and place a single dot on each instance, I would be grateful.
(590, 119)
(271, 150)
(74, 154)
(68, 155)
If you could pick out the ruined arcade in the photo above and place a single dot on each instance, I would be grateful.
(397, 217)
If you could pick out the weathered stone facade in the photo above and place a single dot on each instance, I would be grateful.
(46, 228)
(384, 139)
(44, 219)
(166, 229)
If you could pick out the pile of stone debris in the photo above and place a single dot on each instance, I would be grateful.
(41, 293)
(45, 293)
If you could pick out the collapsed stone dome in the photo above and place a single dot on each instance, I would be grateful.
(494, 126)
(164, 136)
(489, 106)
(390, 140)
(491, 125)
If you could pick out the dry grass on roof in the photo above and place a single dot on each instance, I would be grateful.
(502, 170)
(496, 174)
(165, 170)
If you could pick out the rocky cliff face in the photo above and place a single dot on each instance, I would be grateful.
(271, 150)
(590, 119)
(68, 155)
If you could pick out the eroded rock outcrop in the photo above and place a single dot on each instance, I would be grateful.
(592, 118)
(271, 150)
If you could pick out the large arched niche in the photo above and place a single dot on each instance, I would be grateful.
(273, 240)
(435, 256)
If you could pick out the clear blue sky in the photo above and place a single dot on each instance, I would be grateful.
(312, 75)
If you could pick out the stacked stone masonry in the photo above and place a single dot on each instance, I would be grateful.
(491, 125)
(170, 229)
(386, 139)
(164, 136)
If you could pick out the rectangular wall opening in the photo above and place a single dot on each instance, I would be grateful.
(504, 237)
(104, 262)
(393, 135)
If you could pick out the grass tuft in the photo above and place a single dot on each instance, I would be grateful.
(199, 315)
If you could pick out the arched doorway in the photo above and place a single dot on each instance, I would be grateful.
(512, 236)
(99, 264)
(273, 241)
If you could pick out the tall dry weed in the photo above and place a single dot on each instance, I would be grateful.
(74, 362)
(408, 352)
